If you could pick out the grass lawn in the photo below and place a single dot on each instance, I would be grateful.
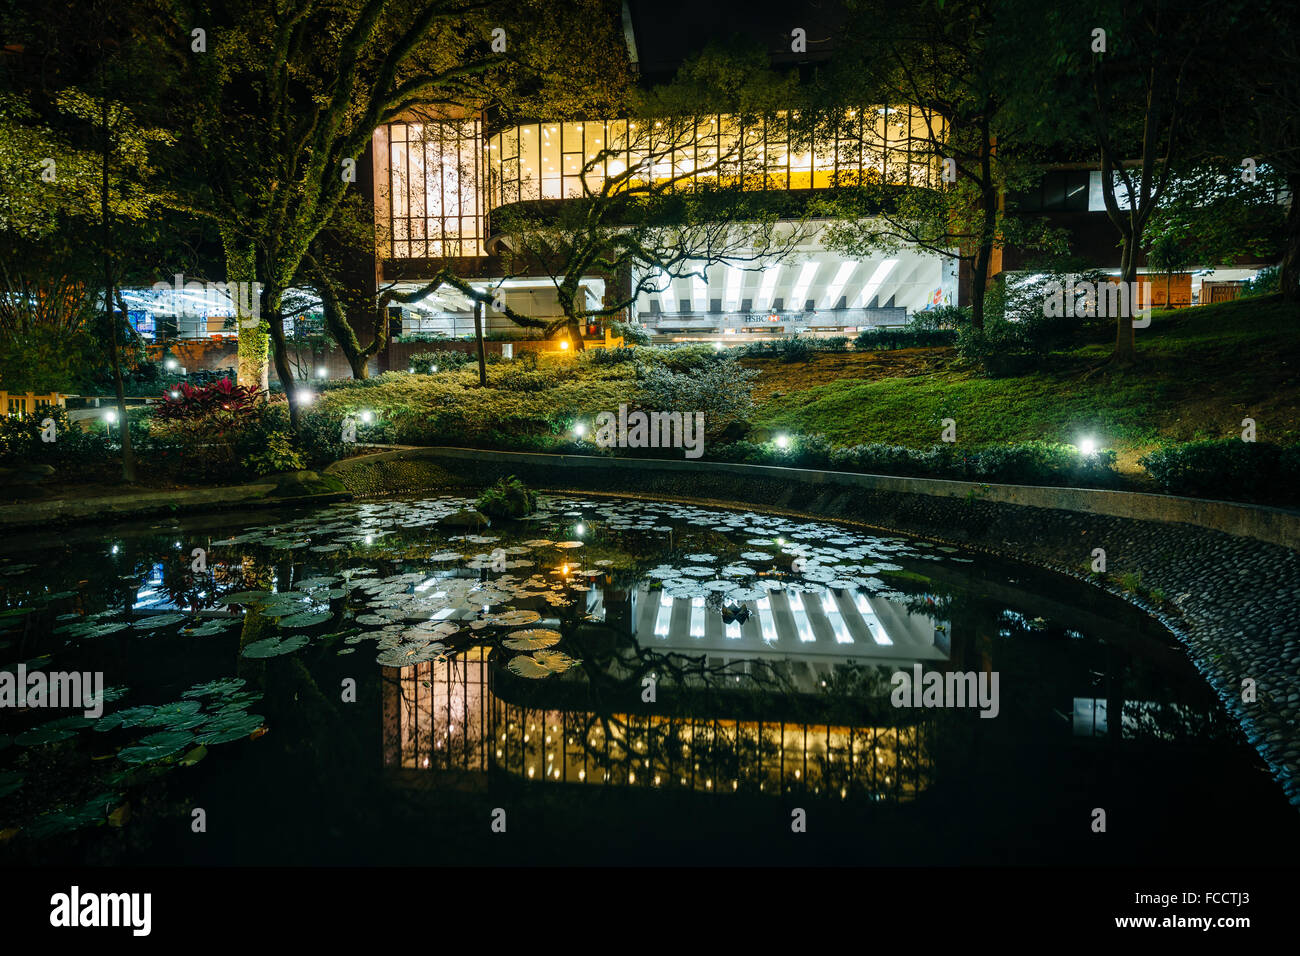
(1200, 372)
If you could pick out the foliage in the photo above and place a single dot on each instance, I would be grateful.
(792, 348)
(1038, 463)
(508, 498)
(880, 340)
(277, 455)
(1266, 282)
(1228, 468)
(222, 400)
(615, 356)
(722, 390)
(21, 443)
(632, 333)
(442, 359)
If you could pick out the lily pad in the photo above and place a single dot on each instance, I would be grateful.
(45, 734)
(541, 664)
(226, 685)
(305, 619)
(229, 728)
(157, 746)
(9, 782)
(275, 646)
(531, 639)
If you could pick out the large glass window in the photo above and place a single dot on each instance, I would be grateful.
(434, 173)
(556, 160)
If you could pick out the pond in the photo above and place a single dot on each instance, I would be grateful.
(610, 680)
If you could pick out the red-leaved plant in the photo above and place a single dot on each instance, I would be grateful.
(223, 399)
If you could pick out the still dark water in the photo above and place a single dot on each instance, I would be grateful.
(610, 681)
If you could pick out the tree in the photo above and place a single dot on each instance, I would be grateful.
(1264, 87)
(286, 97)
(1133, 73)
(939, 83)
(679, 186)
(81, 161)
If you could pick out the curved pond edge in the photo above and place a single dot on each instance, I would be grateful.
(1230, 572)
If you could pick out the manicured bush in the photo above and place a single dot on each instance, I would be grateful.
(1228, 468)
(444, 360)
(722, 390)
(789, 349)
(610, 356)
(1040, 463)
(630, 333)
(21, 441)
(882, 340)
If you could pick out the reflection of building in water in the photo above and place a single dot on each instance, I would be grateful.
(445, 716)
(812, 631)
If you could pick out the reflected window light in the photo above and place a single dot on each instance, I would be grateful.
(766, 623)
(697, 617)
(664, 615)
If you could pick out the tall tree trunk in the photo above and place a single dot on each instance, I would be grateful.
(280, 353)
(1289, 273)
(979, 281)
(478, 338)
(252, 368)
(1125, 347)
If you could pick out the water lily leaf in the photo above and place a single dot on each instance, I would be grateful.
(10, 781)
(194, 756)
(404, 655)
(305, 619)
(166, 714)
(541, 664)
(525, 666)
(514, 618)
(229, 728)
(45, 734)
(275, 646)
(568, 544)
(531, 639)
(155, 621)
(226, 685)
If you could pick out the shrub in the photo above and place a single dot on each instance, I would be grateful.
(1227, 468)
(881, 340)
(1267, 281)
(223, 401)
(508, 498)
(629, 332)
(788, 349)
(614, 356)
(1026, 463)
(21, 442)
(444, 360)
(679, 358)
(722, 390)
(277, 455)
